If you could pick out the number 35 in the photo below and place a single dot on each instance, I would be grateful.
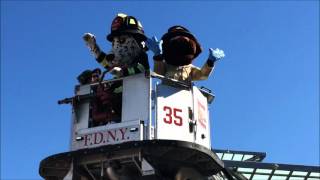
(177, 118)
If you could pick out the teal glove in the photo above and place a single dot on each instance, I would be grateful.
(154, 45)
(215, 54)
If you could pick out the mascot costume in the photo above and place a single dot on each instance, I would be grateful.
(128, 54)
(173, 59)
(126, 57)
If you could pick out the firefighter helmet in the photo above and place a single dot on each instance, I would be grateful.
(124, 24)
(181, 31)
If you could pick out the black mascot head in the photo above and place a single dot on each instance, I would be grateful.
(179, 46)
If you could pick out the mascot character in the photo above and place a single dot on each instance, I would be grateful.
(173, 59)
(128, 54)
(126, 57)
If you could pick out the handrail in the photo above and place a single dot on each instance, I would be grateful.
(170, 81)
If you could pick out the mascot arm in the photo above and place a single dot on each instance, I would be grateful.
(204, 72)
(90, 41)
(155, 46)
(141, 65)
(100, 56)
(102, 59)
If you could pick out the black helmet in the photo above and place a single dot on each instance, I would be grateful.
(84, 77)
(181, 31)
(124, 24)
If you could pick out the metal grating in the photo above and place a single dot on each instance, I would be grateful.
(240, 155)
(270, 171)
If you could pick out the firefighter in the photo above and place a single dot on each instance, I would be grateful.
(95, 75)
(128, 54)
(105, 106)
(174, 57)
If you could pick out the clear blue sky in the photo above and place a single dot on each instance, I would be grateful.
(267, 87)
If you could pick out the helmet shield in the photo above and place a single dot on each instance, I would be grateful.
(123, 24)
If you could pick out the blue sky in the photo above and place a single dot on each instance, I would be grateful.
(267, 86)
